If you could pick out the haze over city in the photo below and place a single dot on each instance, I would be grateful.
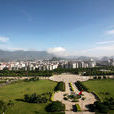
(60, 27)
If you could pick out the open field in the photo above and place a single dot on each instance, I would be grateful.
(17, 91)
(103, 88)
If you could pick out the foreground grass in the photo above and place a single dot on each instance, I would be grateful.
(19, 89)
(100, 87)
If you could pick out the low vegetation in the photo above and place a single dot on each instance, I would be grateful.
(73, 98)
(102, 107)
(78, 109)
(16, 91)
(81, 86)
(104, 89)
(55, 106)
(32, 79)
(71, 88)
(34, 98)
(60, 86)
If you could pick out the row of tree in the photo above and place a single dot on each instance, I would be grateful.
(81, 86)
(84, 71)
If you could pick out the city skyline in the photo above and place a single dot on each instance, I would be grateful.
(64, 28)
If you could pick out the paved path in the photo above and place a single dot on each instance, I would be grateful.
(69, 78)
(90, 99)
(70, 112)
(59, 96)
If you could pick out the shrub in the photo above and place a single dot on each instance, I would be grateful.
(83, 98)
(65, 98)
(34, 98)
(55, 106)
(32, 79)
(94, 77)
(99, 77)
(52, 97)
(72, 89)
(100, 107)
(104, 77)
(65, 94)
(60, 86)
(78, 107)
(80, 86)
(75, 100)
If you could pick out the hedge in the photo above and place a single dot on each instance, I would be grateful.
(81, 86)
(60, 86)
(52, 97)
(71, 87)
(78, 107)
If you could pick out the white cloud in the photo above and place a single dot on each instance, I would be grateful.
(4, 39)
(110, 32)
(7, 47)
(58, 51)
(105, 42)
(95, 52)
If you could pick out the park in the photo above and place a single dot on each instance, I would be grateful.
(63, 89)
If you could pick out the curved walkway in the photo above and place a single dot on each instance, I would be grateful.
(59, 96)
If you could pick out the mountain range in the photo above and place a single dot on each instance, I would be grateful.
(24, 55)
(41, 55)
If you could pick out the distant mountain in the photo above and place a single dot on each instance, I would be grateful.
(32, 55)
(24, 55)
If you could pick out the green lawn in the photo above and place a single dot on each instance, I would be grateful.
(100, 87)
(17, 91)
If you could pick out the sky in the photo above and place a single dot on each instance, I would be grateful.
(61, 27)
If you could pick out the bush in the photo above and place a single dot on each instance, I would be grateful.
(75, 100)
(94, 77)
(72, 89)
(104, 77)
(80, 86)
(99, 77)
(83, 98)
(52, 97)
(55, 106)
(32, 79)
(65, 94)
(78, 109)
(60, 86)
(34, 98)
(65, 98)
(99, 107)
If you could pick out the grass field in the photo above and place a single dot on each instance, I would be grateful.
(19, 89)
(100, 87)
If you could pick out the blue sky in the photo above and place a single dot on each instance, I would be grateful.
(63, 27)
